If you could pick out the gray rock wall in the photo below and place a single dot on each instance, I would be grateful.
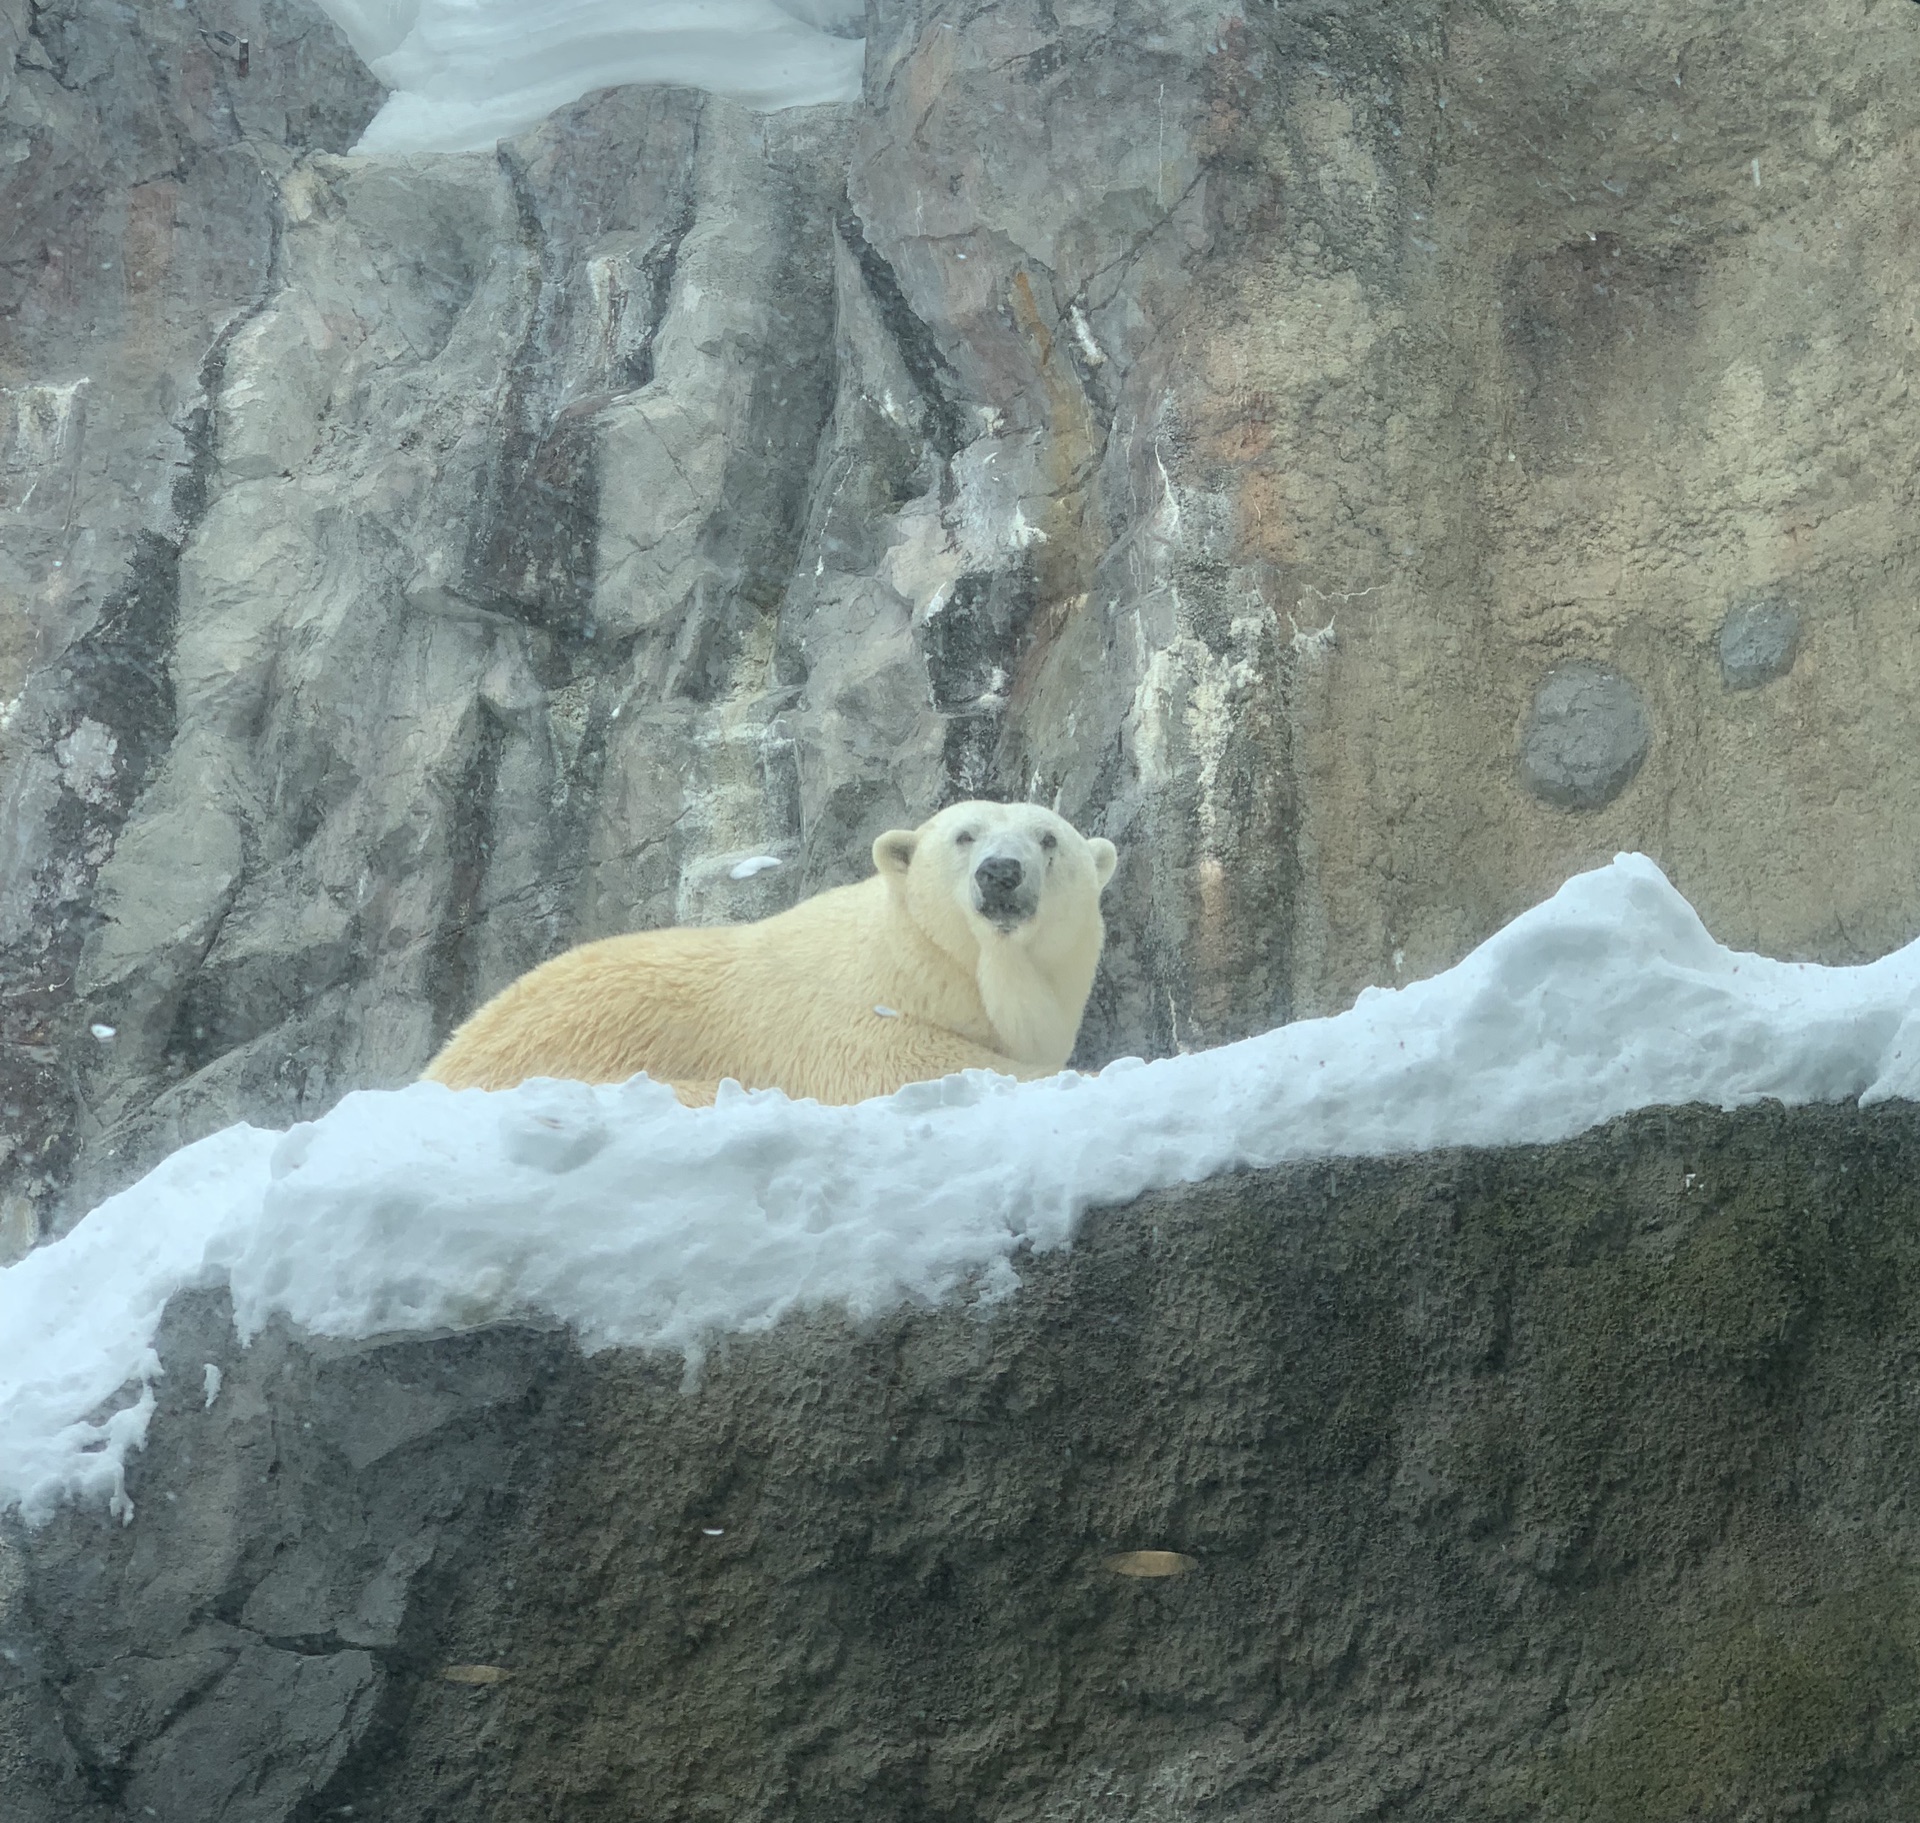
(139, 177)
(1234, 425)
(1575, 1483)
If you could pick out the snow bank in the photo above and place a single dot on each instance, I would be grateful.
(467, 72)
(643, 1223)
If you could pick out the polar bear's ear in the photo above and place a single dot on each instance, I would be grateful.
(893, 852)
(1105, 858)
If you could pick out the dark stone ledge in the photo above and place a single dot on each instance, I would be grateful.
(1574, 1481)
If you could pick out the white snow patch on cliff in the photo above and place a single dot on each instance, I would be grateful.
(464, 73)
(643, 1223)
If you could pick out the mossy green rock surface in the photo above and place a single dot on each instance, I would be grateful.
(1567, 1483)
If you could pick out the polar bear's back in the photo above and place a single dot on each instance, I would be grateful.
(798, 1001)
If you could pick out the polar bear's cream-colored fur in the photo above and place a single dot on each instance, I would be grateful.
(972, 946)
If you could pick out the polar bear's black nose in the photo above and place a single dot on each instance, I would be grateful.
(999, 877)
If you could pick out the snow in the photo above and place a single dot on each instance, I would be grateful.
(464, 73)
(645, 1224)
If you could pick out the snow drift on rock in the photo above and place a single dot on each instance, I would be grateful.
(464, 73)
(642, 1223)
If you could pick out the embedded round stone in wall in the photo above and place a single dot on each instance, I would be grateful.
(1759, 641)
(1586, 737)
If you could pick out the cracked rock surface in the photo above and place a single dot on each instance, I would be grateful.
(1574, 1483)
(1220, 422)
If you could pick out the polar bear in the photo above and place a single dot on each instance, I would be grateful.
(972, 946)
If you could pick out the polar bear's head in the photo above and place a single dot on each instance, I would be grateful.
(1012, 893)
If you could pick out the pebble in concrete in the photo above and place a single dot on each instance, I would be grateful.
(1759, 641)
(1586, 737)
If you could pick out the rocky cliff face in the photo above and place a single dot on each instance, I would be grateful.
(1368, 462)
(139, 175)
(1574, 1483)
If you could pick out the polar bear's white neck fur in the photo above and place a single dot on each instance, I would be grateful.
(1034, 996)
(1029, 996)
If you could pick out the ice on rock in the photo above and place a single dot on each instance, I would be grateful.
(464, 73)
(642, 1223)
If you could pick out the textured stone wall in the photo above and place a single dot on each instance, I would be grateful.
(1575, 1484)
(140, 221)
(1370, 462)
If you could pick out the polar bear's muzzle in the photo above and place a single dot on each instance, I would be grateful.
(1006, 891)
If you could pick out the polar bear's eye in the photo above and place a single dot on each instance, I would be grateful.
(1049, 842)
(963, 838)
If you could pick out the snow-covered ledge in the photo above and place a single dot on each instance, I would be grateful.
(464, 73)
(1564, 1481)
(639, 1223)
